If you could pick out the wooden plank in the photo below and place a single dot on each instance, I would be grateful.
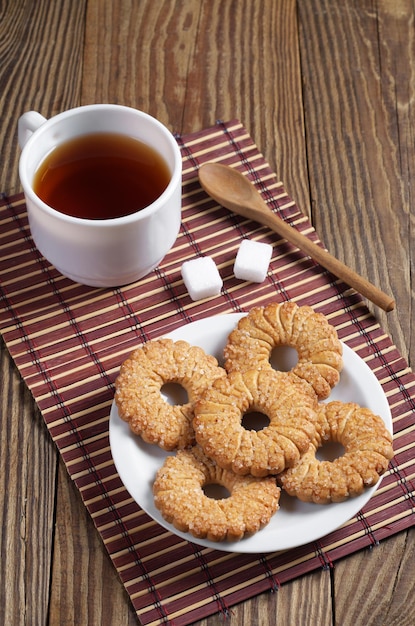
(28, 496)
(85, 586)
(359, 141)
(246, 64)
(40, 48)
(361, 164)
(354, 578)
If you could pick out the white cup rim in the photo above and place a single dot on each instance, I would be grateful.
(140, 214)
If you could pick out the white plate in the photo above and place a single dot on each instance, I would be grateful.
(296, 523)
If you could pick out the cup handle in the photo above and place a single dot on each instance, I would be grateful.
(27, 124)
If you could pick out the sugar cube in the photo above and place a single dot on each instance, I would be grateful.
(252, 260)
(201, 278)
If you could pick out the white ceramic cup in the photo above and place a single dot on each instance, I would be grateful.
(108, 252)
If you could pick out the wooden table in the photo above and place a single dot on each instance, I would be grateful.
(326, 89)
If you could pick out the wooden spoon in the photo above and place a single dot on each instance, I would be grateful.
(235, 192)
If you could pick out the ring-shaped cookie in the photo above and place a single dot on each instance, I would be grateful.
(289, 404)
(367, 451)
(319, 350)
(139, 383)
(179, 495)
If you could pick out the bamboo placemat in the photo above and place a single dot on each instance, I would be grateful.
(68, 342)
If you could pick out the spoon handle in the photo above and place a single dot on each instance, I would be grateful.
(329, 262)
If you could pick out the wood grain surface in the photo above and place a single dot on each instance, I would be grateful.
(327, 90)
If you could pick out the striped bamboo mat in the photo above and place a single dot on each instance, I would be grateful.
(68, 342)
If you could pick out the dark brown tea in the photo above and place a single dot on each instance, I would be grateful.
(101, 176)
